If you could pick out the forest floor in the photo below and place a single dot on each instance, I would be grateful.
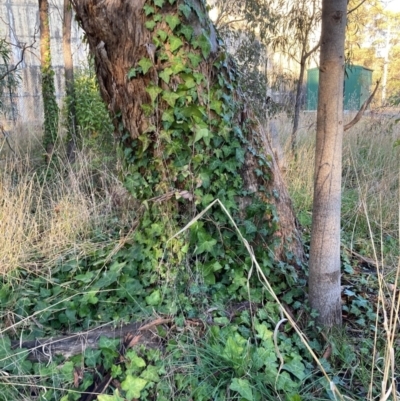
(67, 258)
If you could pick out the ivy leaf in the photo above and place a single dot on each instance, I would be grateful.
(153, 91)
(162, 35)
(151, 374)
(295, 367)
(175, 43)
(159, 3)
(177, 65)
(154, 298)
(202, 133)
(203, 42)
(194, 59)
(185, 9)
(170, 97)
(168, 116)
(150, 25)
(172, 21)
(250, 227)
(132, 73)
(133, 386)
(171, 1)
(136, 361)
(263, 332)
(242, 386)
(146, 64)
(114, 397)
(148, 10)
(165, 75)
(186, 31)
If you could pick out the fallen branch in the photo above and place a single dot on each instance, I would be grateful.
(43, 350)
(360, 113)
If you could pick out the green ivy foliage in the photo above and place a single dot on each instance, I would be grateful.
(9, 79)
(93, 120)
(193, 152)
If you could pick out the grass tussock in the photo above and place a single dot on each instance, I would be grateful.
(48, 210)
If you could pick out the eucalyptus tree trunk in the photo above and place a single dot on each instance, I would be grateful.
(48, 88)
(69, 81)
(324, 275)
(188, 135)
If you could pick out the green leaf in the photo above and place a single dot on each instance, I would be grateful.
(195, 59)
(206, 246)
(159, 3)
(146, 64)
(165, 75)
(148, 10)
(263, 332)
(168, 115)
(202, 133)
(177, 65)
(135, 360)
(295, 367)
(172, 1)
(172, 21)
(187, 32)
(153, 91)
(114, 397)
(132, 73)
(150, 25)
(108, 343)
(154, 298)
(250, 227)
(170, 97)
(203, 42)
(242, 386)
(185, 9)
(151, 374)
(175, 43)
(162, 35)
(133, 386)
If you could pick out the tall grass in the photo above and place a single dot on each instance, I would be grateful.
(369, 152)
(46, 210)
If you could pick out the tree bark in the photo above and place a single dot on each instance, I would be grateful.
(324, 275)
(157, 91)
(69, 81)
(48, 88)
(45, 349)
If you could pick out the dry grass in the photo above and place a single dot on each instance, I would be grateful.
(369, 153)
(46, 211)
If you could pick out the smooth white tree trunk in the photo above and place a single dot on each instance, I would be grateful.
(324, 275)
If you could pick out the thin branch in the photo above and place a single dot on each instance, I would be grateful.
(356, 7)
(360, 113)
(309, 53)
(16, 65)
(6, 136)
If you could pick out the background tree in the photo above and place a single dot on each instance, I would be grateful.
(373, 40)
(187, 134)
(48, 88)
(282, 27)
(324, 264)
(69, 81)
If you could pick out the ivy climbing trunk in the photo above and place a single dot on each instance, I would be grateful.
(69, 82)
(188, 135)
(48, 88)
(324, 277)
